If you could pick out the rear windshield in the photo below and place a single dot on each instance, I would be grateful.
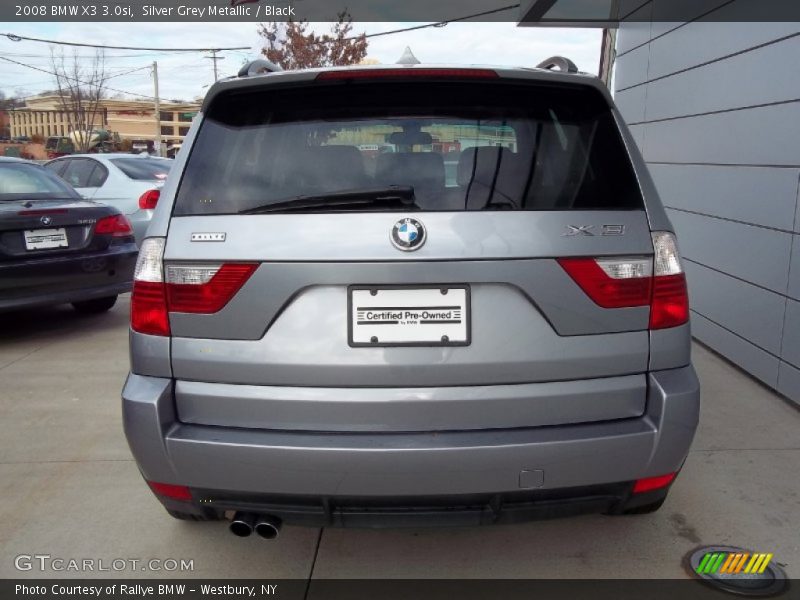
(458, 146)
(21, 181)
(144, 169)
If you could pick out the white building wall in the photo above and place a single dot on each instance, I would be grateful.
(715, 108)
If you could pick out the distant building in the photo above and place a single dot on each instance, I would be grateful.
(131, 119)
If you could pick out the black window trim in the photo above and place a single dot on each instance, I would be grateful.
(114, 161)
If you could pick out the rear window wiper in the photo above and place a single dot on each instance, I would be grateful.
(401, 197)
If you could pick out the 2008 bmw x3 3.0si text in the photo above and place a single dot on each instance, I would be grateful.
(385, 296)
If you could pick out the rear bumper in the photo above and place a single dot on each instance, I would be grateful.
(464, 510)
(61, 279)
(539, 469)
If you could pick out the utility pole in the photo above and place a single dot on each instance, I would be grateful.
(215, 58)
(159, 148)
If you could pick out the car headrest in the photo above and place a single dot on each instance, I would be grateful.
(418, 138)
(418, 169)
(337, 162)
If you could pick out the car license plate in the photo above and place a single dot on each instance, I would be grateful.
(409, 316)
(42, 239)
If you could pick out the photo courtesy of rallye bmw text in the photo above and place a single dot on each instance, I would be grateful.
(355, 299)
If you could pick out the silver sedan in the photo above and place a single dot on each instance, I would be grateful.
(128, 182)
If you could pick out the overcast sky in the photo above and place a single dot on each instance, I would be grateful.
(187, 76)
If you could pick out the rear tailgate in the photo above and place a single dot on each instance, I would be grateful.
(535, 349)
(288, 325)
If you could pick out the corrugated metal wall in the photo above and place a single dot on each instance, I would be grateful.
(715, 108)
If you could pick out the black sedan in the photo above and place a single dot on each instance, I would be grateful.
(57, 248)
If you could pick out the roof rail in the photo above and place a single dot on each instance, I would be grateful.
(564, 64)
(258, 66)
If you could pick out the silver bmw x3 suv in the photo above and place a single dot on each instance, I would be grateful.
(379, 296)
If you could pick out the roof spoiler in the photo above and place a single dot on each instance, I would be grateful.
(258, 66)
(563, 64)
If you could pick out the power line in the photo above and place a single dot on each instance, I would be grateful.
(119, 74)
(438, 23)
(88, 56)
(127, 72)
(485, 13)
(195, 64)
(17, 38)
(78, 80)
(36, 83)
(198, 63)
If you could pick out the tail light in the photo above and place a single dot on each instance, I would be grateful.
(170, 490)
(115, 225)
(205, 289)
(149, 199)
(648, 484)
(198, 289)
(637, 281)
(613, 283)
(149, 312)
(670, 305)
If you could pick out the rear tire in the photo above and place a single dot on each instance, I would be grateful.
(182, 516)
(95, 306)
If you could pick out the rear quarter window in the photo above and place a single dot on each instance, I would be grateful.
(143, 169)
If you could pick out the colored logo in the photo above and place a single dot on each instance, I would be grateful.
(733, 563)
(408, 234)
(46, 220)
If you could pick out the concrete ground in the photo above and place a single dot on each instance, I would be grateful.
(69, 488)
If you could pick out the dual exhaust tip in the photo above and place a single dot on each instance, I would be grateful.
(266, 526)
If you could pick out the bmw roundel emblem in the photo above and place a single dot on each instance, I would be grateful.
(46, 220)
(408, 234)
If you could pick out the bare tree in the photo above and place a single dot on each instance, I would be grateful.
(80, 84)
(7, 102)
(293, 46)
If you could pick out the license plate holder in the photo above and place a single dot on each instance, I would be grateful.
(408, 315)
(45, 239)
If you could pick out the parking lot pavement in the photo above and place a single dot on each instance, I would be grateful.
(69, 488)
